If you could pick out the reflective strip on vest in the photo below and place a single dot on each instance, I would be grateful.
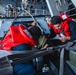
(26, 31)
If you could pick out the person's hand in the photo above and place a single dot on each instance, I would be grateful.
(63, 39)
(34, 23)
(48, 20)
(44, 47)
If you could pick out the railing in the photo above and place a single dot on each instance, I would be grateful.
(32, 11)
(41, 12)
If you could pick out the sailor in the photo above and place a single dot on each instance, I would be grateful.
(21, 38)
(67, 27)
(63, 27)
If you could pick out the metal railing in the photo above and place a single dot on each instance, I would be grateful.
(32, 11)
(41, 12)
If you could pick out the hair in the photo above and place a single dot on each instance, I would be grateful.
(56, 20)
(35, 32)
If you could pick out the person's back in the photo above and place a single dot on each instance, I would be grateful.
(18, 35)
(20, 38)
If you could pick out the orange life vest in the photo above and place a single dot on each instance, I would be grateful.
(17, 35)
(64, 28)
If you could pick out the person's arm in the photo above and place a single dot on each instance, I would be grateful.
(34, 23)
(64, 39)
(46, 45)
